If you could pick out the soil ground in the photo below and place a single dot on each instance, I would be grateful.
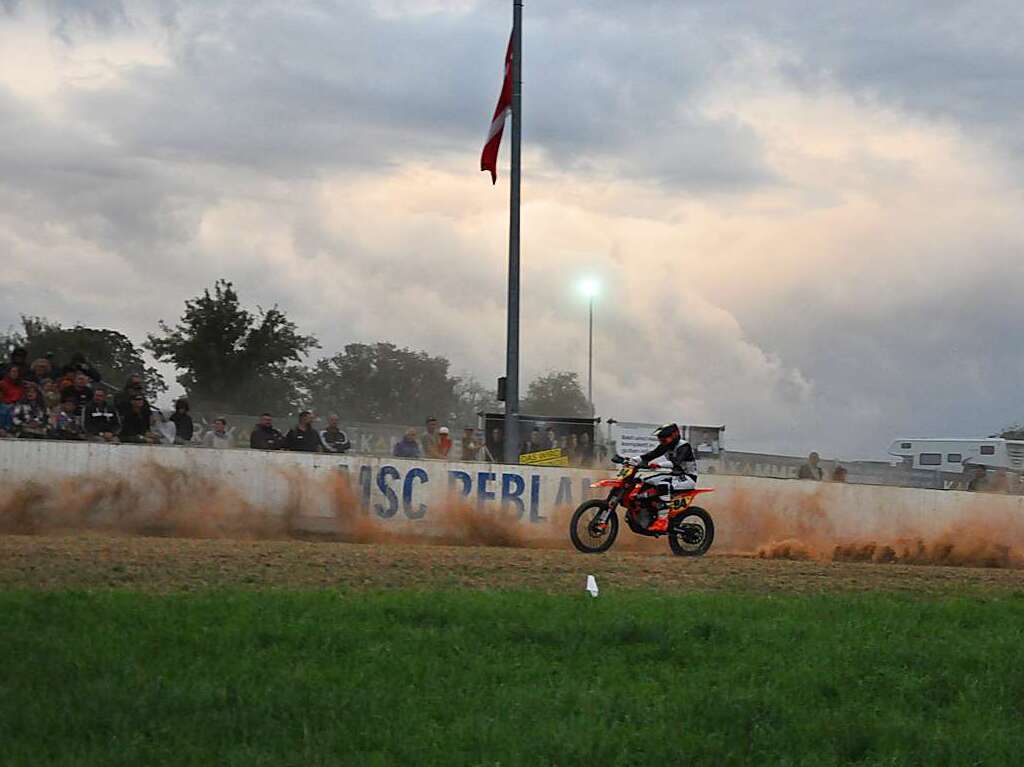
(93, 561)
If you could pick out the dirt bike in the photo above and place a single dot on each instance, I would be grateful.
(595, 524)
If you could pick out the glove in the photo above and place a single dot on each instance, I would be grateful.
(634, 460)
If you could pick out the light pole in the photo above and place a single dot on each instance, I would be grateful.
(590, 288)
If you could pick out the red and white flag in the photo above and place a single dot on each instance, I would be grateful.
(489, 157)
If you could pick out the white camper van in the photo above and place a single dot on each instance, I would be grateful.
(957, 455)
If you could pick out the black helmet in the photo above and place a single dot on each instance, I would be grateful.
(668, 434)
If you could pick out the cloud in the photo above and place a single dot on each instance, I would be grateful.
(805, 217)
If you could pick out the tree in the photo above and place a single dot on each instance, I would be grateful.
(556, 394)
(233, 360)
(380, 383)
(110, 352)
(1013, 432)
(473, 398)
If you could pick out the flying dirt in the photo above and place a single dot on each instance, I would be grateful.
(786, 524)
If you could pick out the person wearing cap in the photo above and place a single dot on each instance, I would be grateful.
(444, 442)
(430, 440)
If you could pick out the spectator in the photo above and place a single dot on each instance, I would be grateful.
(407, 447)
(550, 440)
(182, 420)
(220, 438)
(12, 386)
(12, 390)
(536, 443)
(51, 398)
(29, 417)
(430, 440)
(160, 427)
(66, 425)
(18, 359)
(136, 422)
(811, 469)
(100, 419)
(572, 449)
(839, 473)
(585, 453)
(40, 372)
(132, 387)
(497, 446)
(979, 481)
(78, 364)
(470, 447)
(303, 437)
(264, 436)
(444, 442)
(333, 439)
(80, 392)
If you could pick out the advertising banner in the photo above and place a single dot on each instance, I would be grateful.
(632, 438)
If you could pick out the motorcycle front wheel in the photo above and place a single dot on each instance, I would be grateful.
(692, 533)
(585, 532)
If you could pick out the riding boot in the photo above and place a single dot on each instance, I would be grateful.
(660, 524)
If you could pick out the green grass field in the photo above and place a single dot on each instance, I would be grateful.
(508, 678)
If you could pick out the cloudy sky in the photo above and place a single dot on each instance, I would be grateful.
(807, 219)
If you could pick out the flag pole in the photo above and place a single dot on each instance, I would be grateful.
(512, 348)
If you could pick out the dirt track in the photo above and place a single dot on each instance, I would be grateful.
(90, 561)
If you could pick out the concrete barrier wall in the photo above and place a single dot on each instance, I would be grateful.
(387, 487)
(748, 510)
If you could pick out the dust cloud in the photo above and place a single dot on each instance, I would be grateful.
(790, 523)
(814, 526)
(162, 501)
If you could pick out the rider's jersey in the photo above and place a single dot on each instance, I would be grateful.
(679, 459)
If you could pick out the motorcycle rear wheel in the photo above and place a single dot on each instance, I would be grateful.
(584, 521)
(686, 538)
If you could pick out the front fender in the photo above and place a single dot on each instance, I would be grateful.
(607, 483)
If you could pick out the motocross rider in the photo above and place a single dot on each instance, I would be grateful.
(675, 471)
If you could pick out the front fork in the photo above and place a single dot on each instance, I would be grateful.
(613, 501)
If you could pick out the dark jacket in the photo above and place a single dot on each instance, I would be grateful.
(123, 399)
(304, 440)
(681, 457)
(407, 449)
(183, 423)
(266, 438)
(806, 471)
(101, 418)
(82, 397)
(135, 426)
(335, 441)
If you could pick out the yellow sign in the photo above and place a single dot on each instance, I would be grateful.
(563, 461)
(545, 458)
